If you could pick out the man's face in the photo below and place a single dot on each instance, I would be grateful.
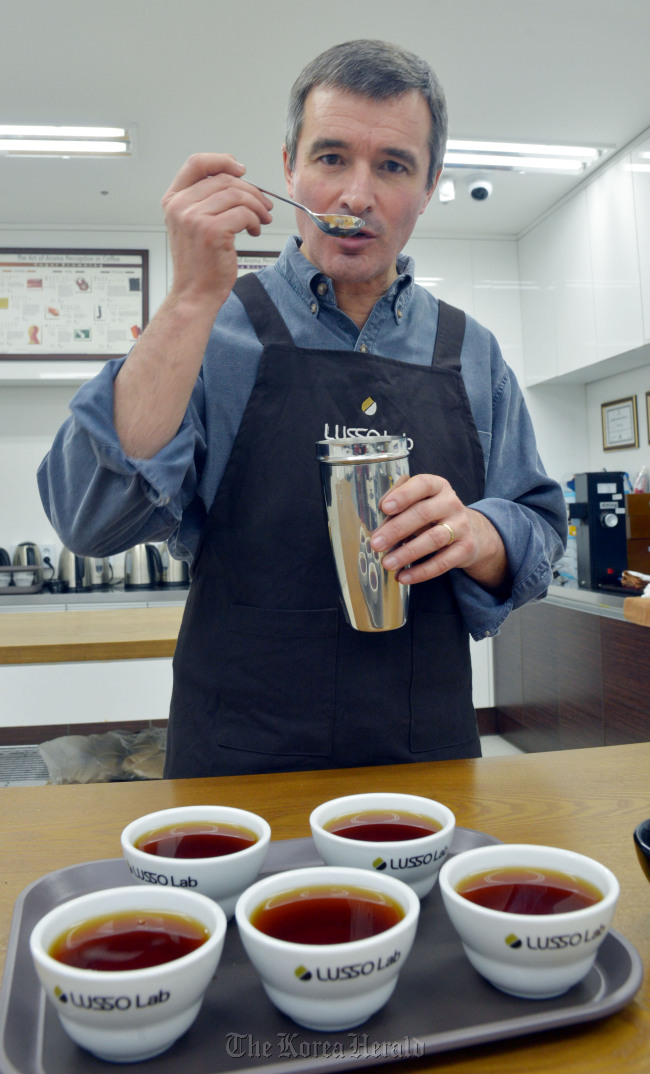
(367, 158)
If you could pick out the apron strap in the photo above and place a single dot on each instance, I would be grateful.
(449, 337)
(262, 311)
(270, 327)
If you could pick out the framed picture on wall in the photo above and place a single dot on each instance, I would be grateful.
(71, 303)
(647, 413)
(620, 426)
(254, 260)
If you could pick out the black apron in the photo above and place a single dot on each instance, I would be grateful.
(268, 675)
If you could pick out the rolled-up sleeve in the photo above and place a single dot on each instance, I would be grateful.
(526, 507)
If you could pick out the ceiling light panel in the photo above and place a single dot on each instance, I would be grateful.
(64, 141)
(521, 156)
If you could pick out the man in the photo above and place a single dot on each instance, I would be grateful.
(205, 436)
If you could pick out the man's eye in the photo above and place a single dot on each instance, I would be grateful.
(330, 158)
(394, 166)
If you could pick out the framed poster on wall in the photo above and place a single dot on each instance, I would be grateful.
(619, 421)
(254, 261)
(71, 303)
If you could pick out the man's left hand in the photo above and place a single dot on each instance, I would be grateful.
(427, 522)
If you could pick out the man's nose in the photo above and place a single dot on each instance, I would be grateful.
(357, 195)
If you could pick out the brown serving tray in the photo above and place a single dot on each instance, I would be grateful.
(440, 1002)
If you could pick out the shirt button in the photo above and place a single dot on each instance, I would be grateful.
(399, 315)
(322, 288)
(314, 307)
(363, 348)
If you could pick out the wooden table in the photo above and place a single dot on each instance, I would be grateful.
(54, 637)
(586, 800)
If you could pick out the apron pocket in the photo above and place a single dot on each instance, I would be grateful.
(279, 693)
(442, 711)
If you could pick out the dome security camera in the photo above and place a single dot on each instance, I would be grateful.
(479, 189)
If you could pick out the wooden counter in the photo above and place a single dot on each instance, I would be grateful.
(586, 800)
(54, 637)
(637, 610)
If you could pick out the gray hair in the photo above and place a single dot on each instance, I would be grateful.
(374, 69)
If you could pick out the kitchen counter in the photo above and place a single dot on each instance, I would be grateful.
(609, 605)
(70, 634)
(95, 598)
(586, 800)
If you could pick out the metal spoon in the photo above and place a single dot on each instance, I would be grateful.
(330, 223)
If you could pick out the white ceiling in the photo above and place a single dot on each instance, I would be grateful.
(194, 75)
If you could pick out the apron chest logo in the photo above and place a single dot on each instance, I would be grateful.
(342, 432)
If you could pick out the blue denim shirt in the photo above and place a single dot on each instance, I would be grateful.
(101, 501)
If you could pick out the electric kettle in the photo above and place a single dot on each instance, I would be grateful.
(175, 572)
(142, 567)
(81, 573)
(5, 575)
(27, 556)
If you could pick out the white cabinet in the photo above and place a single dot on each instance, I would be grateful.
(575, 317)
(88, 692)
(559, 326)
(537, 283)
(615, 261)
(581, 285)
(640, 170)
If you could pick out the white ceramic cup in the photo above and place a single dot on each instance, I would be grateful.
(128, 1015)
(24, 578)
(222, 878)
(529, 955)
(416, 862)
(329, 987)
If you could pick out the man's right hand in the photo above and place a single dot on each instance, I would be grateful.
(206, 207)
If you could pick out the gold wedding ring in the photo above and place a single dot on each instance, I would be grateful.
(451, 533)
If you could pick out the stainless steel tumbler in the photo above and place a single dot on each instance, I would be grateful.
(356, 473)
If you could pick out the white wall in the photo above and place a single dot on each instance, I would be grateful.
(29, 418)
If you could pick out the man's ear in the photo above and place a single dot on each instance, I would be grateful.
(288, 173)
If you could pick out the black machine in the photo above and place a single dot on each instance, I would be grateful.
(599, 515)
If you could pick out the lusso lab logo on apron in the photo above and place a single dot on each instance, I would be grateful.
(369, 409)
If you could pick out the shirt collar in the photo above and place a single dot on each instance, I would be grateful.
(309, 283)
